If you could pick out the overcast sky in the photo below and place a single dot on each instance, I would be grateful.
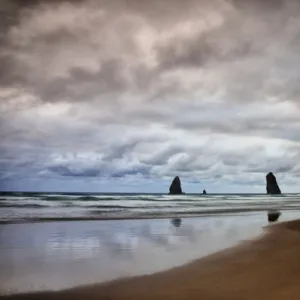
(123, 95)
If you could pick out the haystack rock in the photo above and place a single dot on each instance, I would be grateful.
(204, 192)
(272, 186)
(175, 187)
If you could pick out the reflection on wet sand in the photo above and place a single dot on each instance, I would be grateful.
(176, 222)
(59, 255)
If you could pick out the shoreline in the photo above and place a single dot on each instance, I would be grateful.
(138, 217)
(70, 219)
(263, 268)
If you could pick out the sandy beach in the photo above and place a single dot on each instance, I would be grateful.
(265, 268)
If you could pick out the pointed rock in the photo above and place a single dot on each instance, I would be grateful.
(175, 187)
(272, 186)
(204, 192)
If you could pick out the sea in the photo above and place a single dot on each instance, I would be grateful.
(29, 206)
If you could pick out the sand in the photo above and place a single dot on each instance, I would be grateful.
(266, 268)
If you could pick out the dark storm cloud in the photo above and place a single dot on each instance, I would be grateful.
(27, 42)
(232, 40)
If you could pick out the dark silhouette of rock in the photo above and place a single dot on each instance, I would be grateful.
(176, 222)
(204, 192)
(272, 186)
(273, 215)
(175, 187)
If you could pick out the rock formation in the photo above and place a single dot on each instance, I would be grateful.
(272, 186)
(204, 192)
(175, 187)
(273, 215)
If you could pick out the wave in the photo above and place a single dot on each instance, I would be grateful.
(29, 205)
(54, 198)
(144, 197)
(76, 198)
(25, 205)
(95, 198)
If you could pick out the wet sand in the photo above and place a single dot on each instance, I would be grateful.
(266, 268)
(61, 255)
(119, 218)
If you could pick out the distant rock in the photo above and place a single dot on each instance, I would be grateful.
(175, 187)
(272, 186)
(204, 192)
(273, 215)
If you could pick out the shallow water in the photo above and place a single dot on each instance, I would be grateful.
(58, 255)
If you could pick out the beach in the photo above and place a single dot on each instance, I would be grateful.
(149, 149)
(266, 268)
(226, 261)
(138, 246)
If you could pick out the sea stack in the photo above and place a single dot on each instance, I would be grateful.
(204, 192)
(175, 187)
(272, 186)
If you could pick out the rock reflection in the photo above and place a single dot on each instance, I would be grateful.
(176, 222)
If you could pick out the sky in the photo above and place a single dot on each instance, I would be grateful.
(123, 95)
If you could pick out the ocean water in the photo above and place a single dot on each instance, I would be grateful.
(32, 206)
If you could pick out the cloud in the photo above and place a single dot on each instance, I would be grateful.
(137, 92)
(65, 171)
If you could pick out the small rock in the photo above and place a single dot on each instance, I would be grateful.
(204, 192)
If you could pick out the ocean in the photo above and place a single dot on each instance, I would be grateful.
(17, 206)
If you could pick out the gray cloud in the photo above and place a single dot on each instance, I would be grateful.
(65, 171)
(265, 6)
(82, 83)
(141, 91)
